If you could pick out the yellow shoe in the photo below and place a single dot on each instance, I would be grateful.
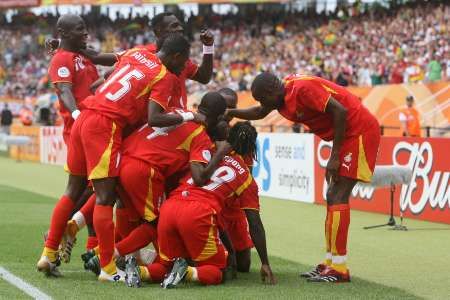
(68, 241)
(47, 265)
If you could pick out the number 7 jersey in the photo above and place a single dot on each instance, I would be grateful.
(139, 77)
(231, 179)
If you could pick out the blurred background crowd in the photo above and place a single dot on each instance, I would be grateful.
(352, 46)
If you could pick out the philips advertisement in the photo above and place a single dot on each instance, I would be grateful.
(285, 166)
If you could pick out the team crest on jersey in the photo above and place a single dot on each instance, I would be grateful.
(63, 72)
(206, 155)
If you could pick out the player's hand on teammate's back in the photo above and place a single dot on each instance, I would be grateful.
(267, 275)
(51, 45)
(207, 37)
(331, 174)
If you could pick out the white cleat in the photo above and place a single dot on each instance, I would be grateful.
(47, 267)
(119, 276)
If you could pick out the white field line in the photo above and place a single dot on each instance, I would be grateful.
(22, 285)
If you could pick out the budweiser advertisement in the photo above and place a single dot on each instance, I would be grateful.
(427, 197)
(19, 3)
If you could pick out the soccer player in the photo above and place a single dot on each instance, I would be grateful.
(72, 74)
(334, 114)
(164, 24)
(141, 85)
(188, 225)
(149, 156)
(234, 218)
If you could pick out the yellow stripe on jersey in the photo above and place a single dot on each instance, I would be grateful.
(149, 86)
(328, 89)
(364, 173)
(245, 185)
(186, 144)
(149, 211)
(210, 248)
(101, 170)
(334, 230)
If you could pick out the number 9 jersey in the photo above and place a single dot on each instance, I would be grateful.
(230, 180)
(139, 77)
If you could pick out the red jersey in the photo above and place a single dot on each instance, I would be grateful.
(139, 77)
(229, 181)
(179, 96)
(306, 99)
(249, 199)
(169, 149)
(73, 68)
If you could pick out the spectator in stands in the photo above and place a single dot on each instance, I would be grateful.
(410, 119)
(6, 119)
(434, 69)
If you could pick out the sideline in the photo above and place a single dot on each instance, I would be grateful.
(22, 285)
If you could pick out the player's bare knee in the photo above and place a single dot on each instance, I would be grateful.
(75, 187)
(243, 261)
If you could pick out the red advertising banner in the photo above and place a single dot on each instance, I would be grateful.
(427, 197)
(19, 3)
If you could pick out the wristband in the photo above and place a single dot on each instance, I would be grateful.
(208, 49)
(187, 116)
(75, 114)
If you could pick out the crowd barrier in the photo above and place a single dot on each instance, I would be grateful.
(292, 166)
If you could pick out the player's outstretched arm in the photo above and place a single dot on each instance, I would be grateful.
(67, 97)
(258, 236)
(201, 173)
(157, 117)
(97, 58)
(205, 70)
(252, 113)
(339, 115)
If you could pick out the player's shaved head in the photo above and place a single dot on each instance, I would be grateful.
(230, 96)
(212, 105)
(68, 21)
(268, 90)
(72, 31)
(174, 52)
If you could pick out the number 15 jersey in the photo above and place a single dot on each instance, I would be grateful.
(139, 77)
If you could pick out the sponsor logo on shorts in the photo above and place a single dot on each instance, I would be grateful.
(348, 157)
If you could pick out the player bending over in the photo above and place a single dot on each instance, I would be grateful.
(334, 114)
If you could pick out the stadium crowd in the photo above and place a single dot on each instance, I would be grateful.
(408, 44)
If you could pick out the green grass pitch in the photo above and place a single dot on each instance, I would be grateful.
(385, 264)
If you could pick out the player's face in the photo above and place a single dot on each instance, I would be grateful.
(177, 63)
(171, 24)
(268, 99)
(78, 35)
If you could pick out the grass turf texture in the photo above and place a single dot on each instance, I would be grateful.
(385, 264)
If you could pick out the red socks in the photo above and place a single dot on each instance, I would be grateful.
(338, 225)
(88, 209)
(157, 272)
(104, 228)
(91, 242)
(209, 275)
(123, 225)
(137, 239)
(61, 214)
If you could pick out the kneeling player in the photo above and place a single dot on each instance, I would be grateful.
(188, 224)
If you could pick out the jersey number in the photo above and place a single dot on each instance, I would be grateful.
(221, 175)
(124, 79)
